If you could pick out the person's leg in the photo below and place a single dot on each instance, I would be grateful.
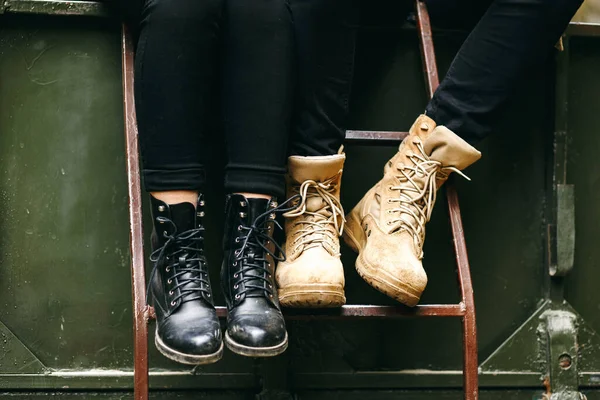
(257, 95)
(174, 72)
(512, 39)
(312, 275)
(257, 102)
(325, 32)
(387, 227)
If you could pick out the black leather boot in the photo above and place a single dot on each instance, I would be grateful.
(255, 326)
(187, 327)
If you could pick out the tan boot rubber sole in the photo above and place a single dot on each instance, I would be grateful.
(312, 296)
(376, 277)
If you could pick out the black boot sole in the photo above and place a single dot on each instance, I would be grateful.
(256, 351)
(183, 358)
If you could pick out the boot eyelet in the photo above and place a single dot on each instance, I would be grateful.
(173, 303)
(208, 295)
(170, 293)
(235, 264)
(236, 286)
(242, 215)
(169, 281)
(268, 264)
(389, 222)
(168, 269)
(237, 296)
(270, 286)
(271, 296)
(237, 252)
(235, 275)
(270, 276)
(239, 228)
(237, 239)
(242, 204)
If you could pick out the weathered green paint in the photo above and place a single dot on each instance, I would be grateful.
(64, 236)
(55, 7)
(565, 230)
(558, 333)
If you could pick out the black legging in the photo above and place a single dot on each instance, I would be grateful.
(509, 40)
(192, 52)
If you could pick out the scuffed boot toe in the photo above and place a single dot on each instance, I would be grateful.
(260, 334)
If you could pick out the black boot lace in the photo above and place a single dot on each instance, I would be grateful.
(254, 253)
(182, 253)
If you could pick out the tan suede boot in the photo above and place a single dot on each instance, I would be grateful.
(313, 275)
(387, 227)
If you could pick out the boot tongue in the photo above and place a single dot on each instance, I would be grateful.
(316, 204)
(183, 216)
(256, 207)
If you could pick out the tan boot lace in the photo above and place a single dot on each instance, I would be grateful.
(317, 224)
(417, 194)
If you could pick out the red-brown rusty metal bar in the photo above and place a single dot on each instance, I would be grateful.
(470, 363)
(427, 50)
(470, 367)
(375, 137)
(138, 279)
(369, 311)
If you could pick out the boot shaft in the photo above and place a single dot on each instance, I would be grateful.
(180, 271)
(184, 217)
(405, 196)
(321, 169)
(318, 218)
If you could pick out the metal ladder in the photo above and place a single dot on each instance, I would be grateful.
(465, 309)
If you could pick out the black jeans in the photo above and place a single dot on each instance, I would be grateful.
(509, 39)
(192, 52)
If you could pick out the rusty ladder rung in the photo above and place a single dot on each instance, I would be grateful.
(465, 309)
(369, 311)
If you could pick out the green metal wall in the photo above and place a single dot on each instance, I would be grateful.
(65, 297)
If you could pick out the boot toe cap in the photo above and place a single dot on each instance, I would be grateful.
(257, 331)
(194, 343)
(256, 327)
